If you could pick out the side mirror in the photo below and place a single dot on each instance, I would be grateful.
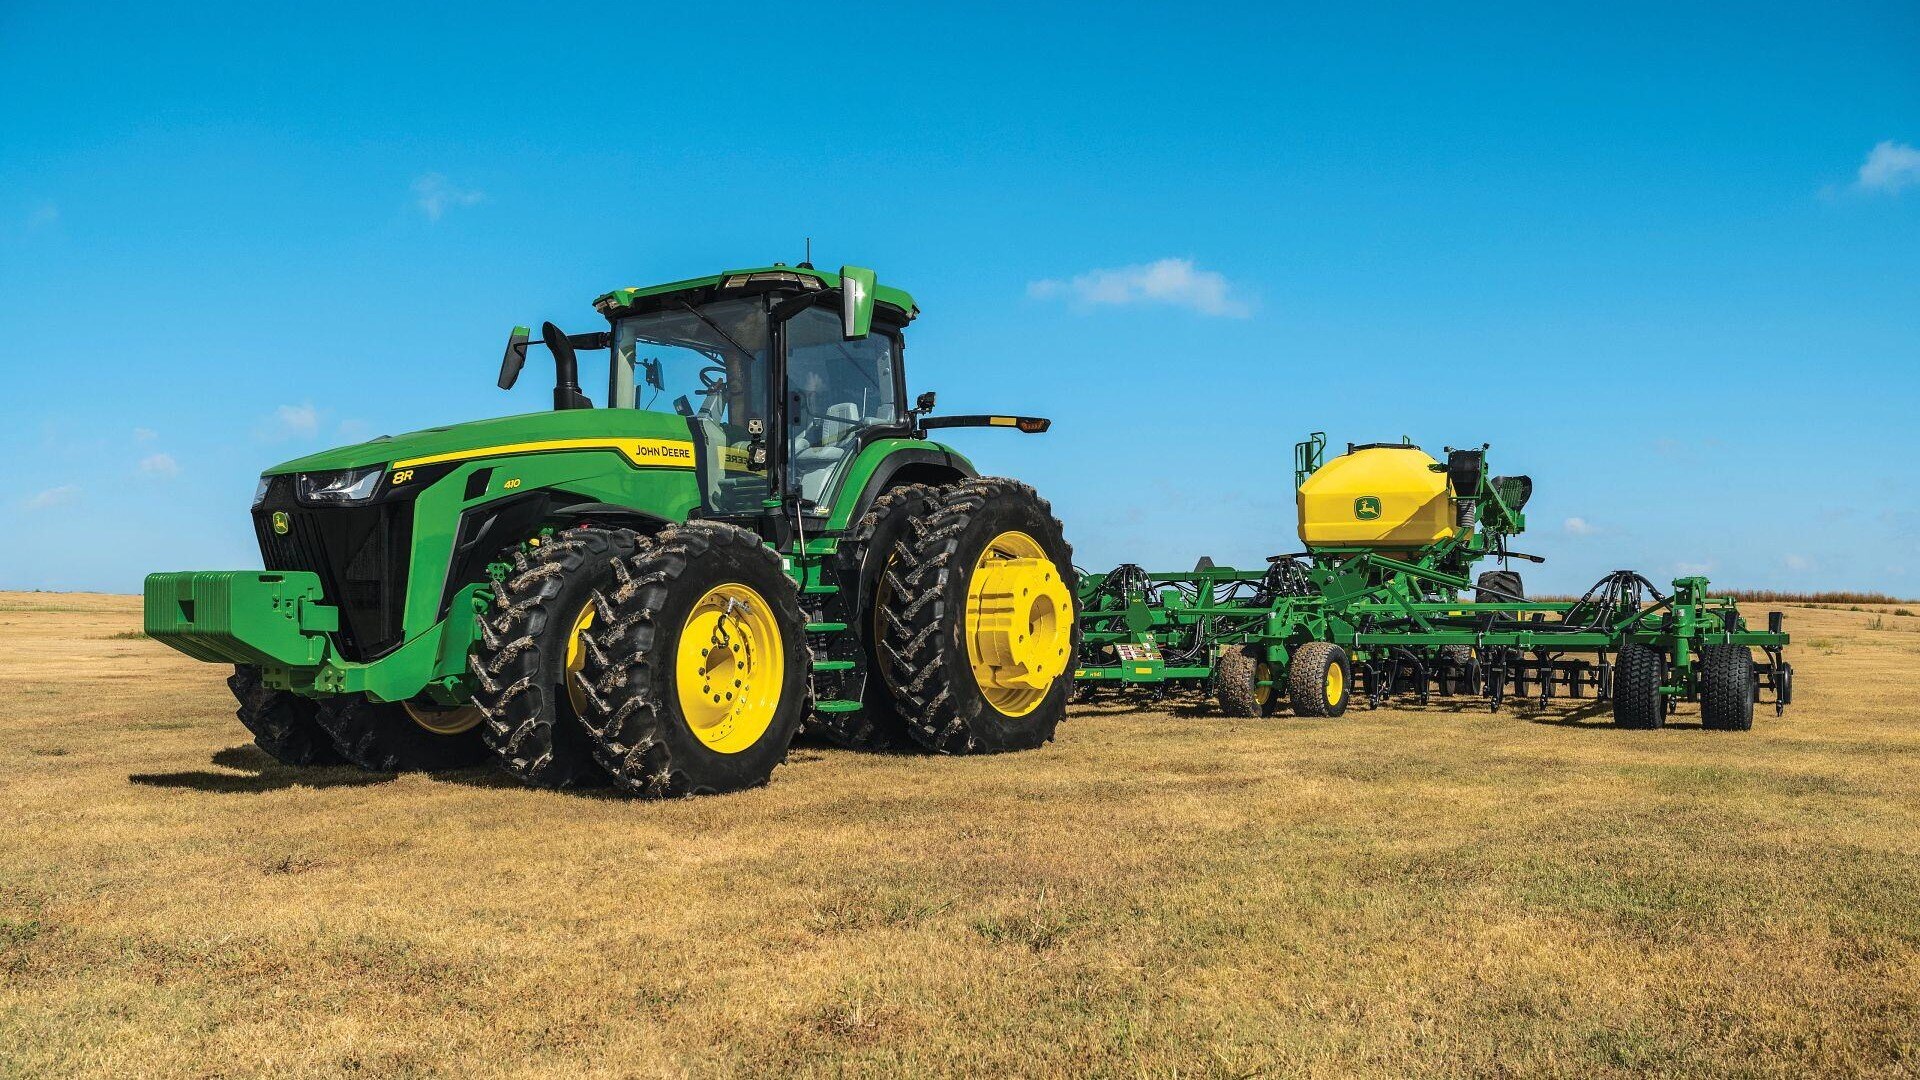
(856, 301)
(923, 404)
(515, 358)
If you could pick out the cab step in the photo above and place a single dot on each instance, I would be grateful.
(836, 706)
(820, 589)
(834, 665)
(825, 627)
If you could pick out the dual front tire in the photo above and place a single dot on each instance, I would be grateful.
(696, 676)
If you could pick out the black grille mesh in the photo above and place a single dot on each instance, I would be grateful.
(359, 552)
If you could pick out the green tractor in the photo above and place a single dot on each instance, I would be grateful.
(753, 532)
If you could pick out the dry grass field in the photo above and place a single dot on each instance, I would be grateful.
(1159, 893)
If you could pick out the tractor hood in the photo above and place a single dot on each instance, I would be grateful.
(497, 434)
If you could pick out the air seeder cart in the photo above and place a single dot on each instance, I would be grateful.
(1381, 604)
(753, 530)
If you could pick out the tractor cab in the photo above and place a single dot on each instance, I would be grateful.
(781, 374)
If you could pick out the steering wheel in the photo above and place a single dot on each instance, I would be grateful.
(712, 377)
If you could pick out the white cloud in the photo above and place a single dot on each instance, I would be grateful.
(1172, 282)
(1889, 167)
(1796, 562)
(161, 465)
(294, 421)
(1579, 526)
(1692, 569)
(44, 216)
(52, 497)
(145, 434)
(434, 194)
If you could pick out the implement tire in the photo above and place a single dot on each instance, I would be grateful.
(865, 557)
(697, 672)
(383, 737)
(282, 723)
(1638, 671)
(979, 620)
(1499, 587)
(1463, 673)
(1237, 674)
(527, 666)
(1320, 679)
(1726, 688)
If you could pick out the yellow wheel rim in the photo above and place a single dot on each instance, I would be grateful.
(730, 668)
(1336, 684)
(1019, 623)
(441, 719)
(577, 660)
(1262, 683)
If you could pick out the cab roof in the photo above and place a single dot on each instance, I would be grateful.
(802, 275)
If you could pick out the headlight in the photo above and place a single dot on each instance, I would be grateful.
(345, 486)
(260, 493)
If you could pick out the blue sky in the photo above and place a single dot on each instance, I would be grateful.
(1664, 258)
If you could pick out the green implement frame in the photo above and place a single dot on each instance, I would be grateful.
(1407, 625)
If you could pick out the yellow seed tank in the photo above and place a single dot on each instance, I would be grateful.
(1377, 496)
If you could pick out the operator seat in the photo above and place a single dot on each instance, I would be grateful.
(816, 461)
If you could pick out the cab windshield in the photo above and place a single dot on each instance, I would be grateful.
(708, 361)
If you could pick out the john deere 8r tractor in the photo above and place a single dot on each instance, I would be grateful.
(751, 531)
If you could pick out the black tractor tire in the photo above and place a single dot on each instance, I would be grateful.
(1638, 671)
(1726, 688)
(1499, 587)
(865, 556)
(1309, 685)
(1236, 684)
(924, 614)
(382, 737)
(282, 722)
(636, 718)
(521, 681)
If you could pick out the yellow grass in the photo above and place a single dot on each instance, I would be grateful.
(1156, 894)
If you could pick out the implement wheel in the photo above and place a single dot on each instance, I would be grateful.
(402, 737)
(1726, 688)
(527, 666)
(979, 630)
(696, 679)
(1462, 671)
(1638, 671)
(866, 557)
(1237, 675)
(1498, 587)
(282, 722)
(1320, 680)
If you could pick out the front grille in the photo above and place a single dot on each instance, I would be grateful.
(361, 555)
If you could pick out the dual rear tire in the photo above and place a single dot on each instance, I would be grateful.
(977, 620)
